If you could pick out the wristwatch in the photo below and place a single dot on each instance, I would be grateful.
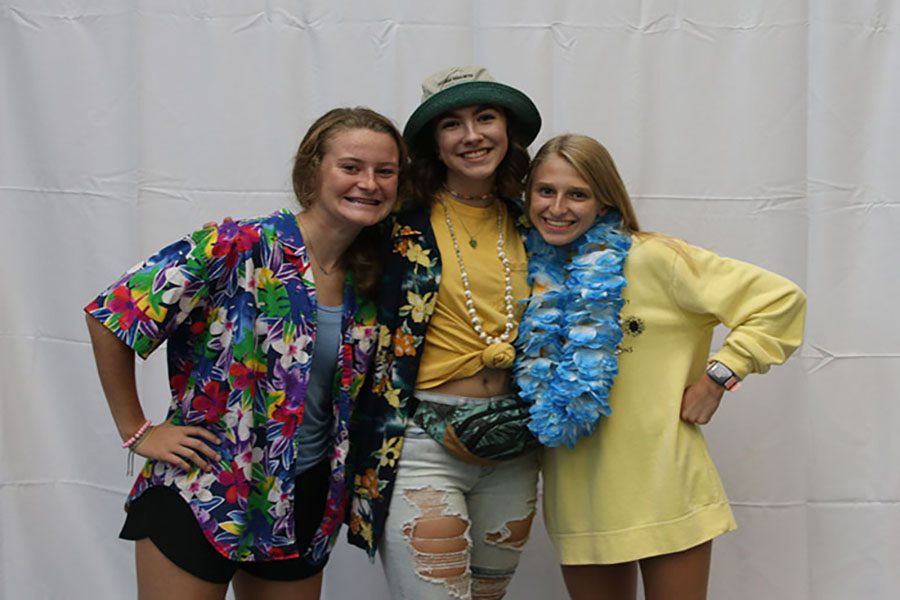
(721, 374)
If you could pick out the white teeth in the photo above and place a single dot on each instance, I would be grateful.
(366, 201)
(556, 223)
(475, 153)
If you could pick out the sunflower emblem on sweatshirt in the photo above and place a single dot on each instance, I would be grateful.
(633, 326)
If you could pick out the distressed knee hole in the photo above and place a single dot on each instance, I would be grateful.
(443, 534)
(438, 541)
(513, 535)
(489, 588)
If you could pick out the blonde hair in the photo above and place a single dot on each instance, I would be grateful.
(593, 162)
(595, 165)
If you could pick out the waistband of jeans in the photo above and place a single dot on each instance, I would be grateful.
(453, 400)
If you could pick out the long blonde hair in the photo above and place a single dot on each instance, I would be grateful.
(593, 162)
(595, 165)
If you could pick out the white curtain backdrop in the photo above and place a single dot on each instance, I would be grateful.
(762, 129)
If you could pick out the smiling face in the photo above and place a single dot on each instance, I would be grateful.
(472, 142)
(358, 177)
(561, 204)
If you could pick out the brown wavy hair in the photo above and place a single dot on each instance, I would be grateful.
(428, 174)
(363, 257)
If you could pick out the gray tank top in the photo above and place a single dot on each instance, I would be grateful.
(318, 416)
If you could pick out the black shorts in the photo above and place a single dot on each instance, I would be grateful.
(162, 515)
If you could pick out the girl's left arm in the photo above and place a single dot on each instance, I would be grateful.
(764, 311)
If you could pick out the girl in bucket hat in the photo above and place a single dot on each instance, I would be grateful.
(450, 512)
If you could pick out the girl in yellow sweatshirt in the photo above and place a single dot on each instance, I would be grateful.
(613, 304)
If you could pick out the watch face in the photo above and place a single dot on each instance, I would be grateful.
(719, 372)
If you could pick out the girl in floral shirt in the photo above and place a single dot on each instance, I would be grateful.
(270, 331)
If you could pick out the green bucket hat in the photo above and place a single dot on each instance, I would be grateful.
(466, 86)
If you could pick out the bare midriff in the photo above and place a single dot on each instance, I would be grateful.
(487, 382)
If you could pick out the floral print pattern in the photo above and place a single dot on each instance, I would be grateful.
(406, 302)
(236, 304)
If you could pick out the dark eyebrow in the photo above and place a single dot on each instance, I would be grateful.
(483, 107)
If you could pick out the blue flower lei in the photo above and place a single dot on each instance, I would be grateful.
(568, 337)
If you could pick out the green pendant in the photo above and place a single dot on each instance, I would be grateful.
(473, 243)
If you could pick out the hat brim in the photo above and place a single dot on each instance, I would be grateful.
(520, 106)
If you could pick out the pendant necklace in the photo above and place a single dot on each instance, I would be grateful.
(312, 252)
(473, 242)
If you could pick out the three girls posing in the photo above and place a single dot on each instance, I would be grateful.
(619, 324)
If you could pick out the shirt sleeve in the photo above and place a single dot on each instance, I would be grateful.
(144, 306)
(764, 311)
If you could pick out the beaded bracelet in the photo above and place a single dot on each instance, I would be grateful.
(137, 434)
(129, 464)
(141, 439)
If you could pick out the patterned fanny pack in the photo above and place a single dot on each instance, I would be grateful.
(479, 432)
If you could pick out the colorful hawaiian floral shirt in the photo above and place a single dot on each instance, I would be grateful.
(236, 304)
(406, 302)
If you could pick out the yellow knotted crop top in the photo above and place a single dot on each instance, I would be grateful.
(452, 350)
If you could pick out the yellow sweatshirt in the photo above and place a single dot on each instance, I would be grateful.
(643, 484)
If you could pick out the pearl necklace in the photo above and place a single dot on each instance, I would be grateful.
(507, 278)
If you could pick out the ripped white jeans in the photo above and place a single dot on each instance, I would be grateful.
(455, 530)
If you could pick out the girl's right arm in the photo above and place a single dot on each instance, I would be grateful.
(170, 443)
